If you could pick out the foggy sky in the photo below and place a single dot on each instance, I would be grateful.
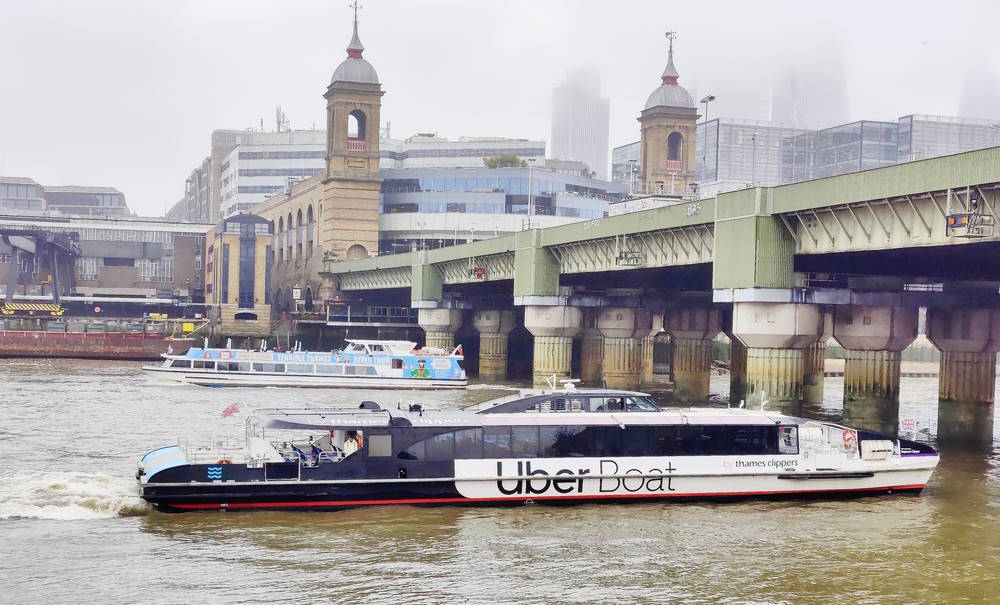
(126, 93)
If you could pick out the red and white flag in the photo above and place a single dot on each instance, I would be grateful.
(229, 411)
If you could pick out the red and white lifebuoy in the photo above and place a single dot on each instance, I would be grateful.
(97, 309)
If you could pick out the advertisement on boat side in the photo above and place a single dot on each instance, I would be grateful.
(606, 477)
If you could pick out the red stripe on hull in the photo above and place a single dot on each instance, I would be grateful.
(345, 503)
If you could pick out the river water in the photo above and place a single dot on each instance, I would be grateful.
(71, 526)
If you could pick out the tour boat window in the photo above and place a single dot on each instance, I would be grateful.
(524, 441)
(351, 370)
(607, 440)
(788, 440)
(258, 367)
(397, 364)
(300, 368)
(371, 371)
(329, 369)
(496, 442)
(441, 447)
(640, 404)
(607, 404)
(201, 365)
(180, 363)
(380, 445)
(469, 444)
(548, 437)
(564, 441)
(376, 348)
(414, 452)
(243, 366)
(638, 440)
(279, 368)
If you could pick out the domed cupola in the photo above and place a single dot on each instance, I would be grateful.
(670, 93)
(354, 68)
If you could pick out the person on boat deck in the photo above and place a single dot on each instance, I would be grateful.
(351, 444)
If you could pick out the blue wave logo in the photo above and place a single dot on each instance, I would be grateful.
(214, 472)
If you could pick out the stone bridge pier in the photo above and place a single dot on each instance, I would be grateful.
(439, 326)
(873, 339)
(969, 340)
(591, 349)
(553, 327)
(624, 330)
(776, 336)
(494, 326)
(692, 332)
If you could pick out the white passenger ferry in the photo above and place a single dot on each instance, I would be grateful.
(556, 447)
(383, 364)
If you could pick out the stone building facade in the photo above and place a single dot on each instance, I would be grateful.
(238, 274)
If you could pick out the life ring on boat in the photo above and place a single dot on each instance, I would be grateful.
(224, 461)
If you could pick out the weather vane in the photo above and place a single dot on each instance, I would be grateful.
(356, 8)
(670, 36)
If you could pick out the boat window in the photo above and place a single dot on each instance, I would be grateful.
(524, 441)
(414, 452)
(279, 368)
(607, 404)
(352, 370)
(607, 440)
(201, 365)
(329, 369)
(788, 440)
(638, 440)
(496, 442)
(640, 404)
(397, 364)
(300, 368)
(565, 441)
(180, 363)
(371, 371)
(380, 445)
(469, 444)
(243, 366)
(258, 367)
(376, 348)
(441, 447)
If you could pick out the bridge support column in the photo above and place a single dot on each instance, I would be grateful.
(873, 338)
(737, 371)
(592, 356)
(553, 328)
(439, 326)
(969, 340)
(813, 370)
(494, 326)
(646, 350)
(691, 332)
(775, 335)
(623, 329)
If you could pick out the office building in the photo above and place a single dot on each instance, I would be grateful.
(920, 137)
(238, 274)
(86, 201)
(431, 151)
(581, 121)
(119, 257)
(21, 195)
(625, 163)
(251, 173)
(731, 154)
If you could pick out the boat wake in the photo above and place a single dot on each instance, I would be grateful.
(69, 496)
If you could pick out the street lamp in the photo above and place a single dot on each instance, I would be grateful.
(704, 143)
(753, 165)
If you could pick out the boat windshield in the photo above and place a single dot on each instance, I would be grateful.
(625, 403)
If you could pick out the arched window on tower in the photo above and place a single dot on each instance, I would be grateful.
(356, 124)
(298, 234)
(309, 230)
(675, 145)
(288, 240)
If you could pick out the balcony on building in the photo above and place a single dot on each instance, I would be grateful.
(354, 144)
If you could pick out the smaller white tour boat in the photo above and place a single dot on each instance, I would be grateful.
(362, 363)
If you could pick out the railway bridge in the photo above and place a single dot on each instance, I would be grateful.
(778, 269)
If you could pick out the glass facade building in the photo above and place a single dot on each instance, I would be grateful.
(855, 146)
(86, 201)
(921, 137)
(743, 151)
(625, 163)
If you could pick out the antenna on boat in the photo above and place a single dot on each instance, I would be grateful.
(551, 381)
(763, 400)
(229, 343)
(569, 384)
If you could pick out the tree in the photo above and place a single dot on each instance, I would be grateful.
(504, 160)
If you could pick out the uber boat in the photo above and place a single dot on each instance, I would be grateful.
(383, 364)
(555, 447)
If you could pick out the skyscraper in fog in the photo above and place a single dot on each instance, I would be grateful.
(580, 121)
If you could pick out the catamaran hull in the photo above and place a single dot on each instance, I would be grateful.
(327, 495)
(260, 379)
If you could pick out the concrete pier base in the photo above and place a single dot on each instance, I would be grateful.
(494, 326)
(439, 327)
(553, 355)
(965, 397)
(813, 361)
(693, 368)
(776, 374)
(553, 328)
(737, 371)
(871, 390)
(592, 356)
(968, 340)
(646, 360)
(621, 362)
